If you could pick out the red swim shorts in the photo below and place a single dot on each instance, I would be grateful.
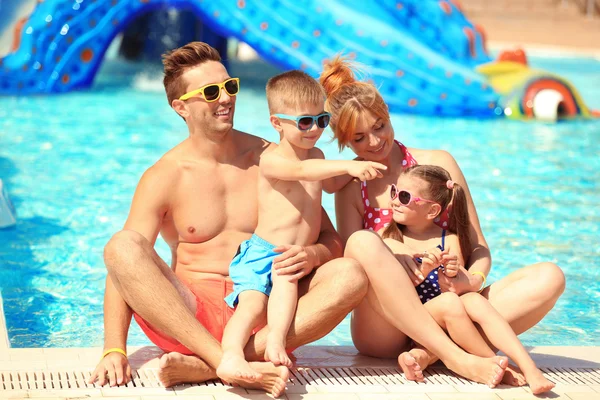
(211, 311)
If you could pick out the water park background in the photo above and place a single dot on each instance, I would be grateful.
(70, 163)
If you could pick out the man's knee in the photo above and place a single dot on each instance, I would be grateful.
(121, 244)
(348, 279)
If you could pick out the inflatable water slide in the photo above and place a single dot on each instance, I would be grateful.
(424, 55)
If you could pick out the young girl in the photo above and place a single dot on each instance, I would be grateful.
(422, 194)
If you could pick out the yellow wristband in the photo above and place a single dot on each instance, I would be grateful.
(114, 350)
(483, 283)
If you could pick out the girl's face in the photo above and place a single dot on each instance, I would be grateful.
(373, 139)
(419, 209)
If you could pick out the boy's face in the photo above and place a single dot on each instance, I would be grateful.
(290, 131)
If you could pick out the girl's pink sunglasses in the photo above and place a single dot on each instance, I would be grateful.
(405, 197)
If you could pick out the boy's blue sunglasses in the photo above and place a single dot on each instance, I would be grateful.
(305, 122)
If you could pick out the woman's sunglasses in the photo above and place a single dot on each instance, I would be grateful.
(305, 122)
(212, 92)
(404, 197)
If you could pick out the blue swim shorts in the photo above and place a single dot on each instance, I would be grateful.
(250, 269)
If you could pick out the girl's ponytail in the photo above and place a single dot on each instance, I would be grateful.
(459, 220)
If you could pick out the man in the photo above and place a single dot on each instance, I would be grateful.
(202, 197)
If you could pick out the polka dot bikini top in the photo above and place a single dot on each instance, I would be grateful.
(375, 218)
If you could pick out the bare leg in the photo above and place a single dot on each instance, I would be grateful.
(502, 336)
(326, 297)
(448, 311)
(392, 296)
(233, 366)
(281, 309)
(137, 272)
(523, 298)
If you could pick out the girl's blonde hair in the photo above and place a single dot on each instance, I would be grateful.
(437, 179)
(348, 99)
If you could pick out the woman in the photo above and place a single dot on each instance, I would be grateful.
(360, 120)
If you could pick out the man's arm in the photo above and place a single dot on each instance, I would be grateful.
(148, 208)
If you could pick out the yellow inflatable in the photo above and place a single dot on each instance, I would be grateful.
(528, 93)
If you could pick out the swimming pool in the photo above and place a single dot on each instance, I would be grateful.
(71, 163)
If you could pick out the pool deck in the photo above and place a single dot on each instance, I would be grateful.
(320, 373)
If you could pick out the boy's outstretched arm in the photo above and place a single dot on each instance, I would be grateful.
(336, 183)
(275, 166)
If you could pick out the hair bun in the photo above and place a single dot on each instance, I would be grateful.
(336, 73)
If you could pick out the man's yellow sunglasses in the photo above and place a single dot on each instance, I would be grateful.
(212, 92)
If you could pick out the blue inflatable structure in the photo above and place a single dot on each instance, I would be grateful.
(424, 55)
(420, 53)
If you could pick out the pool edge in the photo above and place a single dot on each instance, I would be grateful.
(4, 342)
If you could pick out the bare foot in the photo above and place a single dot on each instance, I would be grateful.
(273, 378)
(537, 382)
(489, 371)
(175, 368)
(513, 376)
(411, 367)
(234, 367)
(275, 352)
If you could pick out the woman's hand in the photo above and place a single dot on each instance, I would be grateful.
(295, 261)
(114, 368)
(462, 283)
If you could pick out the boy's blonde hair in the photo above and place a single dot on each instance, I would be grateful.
(293, 90)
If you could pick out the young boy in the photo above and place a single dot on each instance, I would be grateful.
(290, 182)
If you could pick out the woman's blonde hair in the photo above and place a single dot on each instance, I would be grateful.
(348, 99)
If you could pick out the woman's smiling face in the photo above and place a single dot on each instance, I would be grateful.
(373, 139)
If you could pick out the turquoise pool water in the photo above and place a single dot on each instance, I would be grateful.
(71, 163)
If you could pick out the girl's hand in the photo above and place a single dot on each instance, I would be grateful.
(294, 261)
(451, 265)
(430, 259)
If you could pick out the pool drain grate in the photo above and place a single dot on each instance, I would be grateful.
(342, 376)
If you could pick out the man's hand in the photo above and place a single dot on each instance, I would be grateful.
(294, 261)
(366, 170)
(114, 368)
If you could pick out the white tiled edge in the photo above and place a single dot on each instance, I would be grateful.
(4, 342)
